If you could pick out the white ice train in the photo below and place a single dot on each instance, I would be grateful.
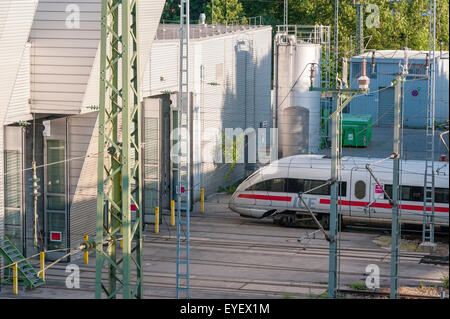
(273, 191)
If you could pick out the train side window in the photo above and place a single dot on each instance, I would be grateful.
(342, 189)
(441, 195)
(324, 190)
(360, 189)
(295, 185)
(416, 193)
(409, 193)
(406, 193)
(388, 190)
(261, 186)
(276, 185)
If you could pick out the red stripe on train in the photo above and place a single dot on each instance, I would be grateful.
(385, 205)
(266, 197)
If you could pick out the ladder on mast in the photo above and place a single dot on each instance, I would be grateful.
(429, 177)
(183, 188)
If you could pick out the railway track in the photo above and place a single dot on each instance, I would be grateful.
(205, 285)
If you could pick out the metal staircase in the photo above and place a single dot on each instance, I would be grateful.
(27, 273)
(183, 188)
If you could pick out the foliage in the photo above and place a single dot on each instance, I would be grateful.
(225, 11)
(358, 285)
(231, 148)
(402, 23)
(445, 281)
(217, 11)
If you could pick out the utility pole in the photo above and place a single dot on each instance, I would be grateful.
(341, 98)
(119, 185)
(395, 232)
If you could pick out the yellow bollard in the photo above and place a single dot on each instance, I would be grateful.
(202, 200)
(86, 252)
(156, 220)
(172, 212)
(15, 280)
(42, 264)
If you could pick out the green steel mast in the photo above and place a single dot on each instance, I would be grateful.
(119, 186)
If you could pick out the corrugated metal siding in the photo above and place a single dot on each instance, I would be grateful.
(163, 63)
(83, 208)
(149, 16)
(65, 61)
(80, 129)
(62, 58)
(19, 107)
(15, 21)
(84, 203)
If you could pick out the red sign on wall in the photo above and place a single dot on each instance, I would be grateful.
(56, 236)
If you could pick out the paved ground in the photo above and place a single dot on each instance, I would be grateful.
(235, 257)
(381, 145)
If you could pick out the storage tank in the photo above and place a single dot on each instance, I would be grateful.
(298, 110)
(305, 54)
(293, 132)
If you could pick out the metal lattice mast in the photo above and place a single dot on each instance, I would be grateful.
(184, 162)
(119, 184)
(336, 41)
(285, 15)
(429, 192)
(359, 45)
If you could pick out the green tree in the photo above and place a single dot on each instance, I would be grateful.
(402, 23)
(222, 11)
(171, 11)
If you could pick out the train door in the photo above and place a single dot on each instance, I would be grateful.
(379, 208)
(360, 196)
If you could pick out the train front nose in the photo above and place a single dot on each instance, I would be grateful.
(232, 202)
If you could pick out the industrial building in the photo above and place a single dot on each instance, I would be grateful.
(51, 113)
(382, 68)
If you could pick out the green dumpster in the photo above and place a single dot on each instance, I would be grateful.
(356, 129)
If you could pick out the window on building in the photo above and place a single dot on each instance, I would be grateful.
(13, 197)
(56, 192)
(417, 68)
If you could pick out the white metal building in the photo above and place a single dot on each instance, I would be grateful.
(55, 90)
(387, 65)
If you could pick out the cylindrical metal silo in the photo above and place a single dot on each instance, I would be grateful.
(298, 110)
(293, 131)
(305, 55)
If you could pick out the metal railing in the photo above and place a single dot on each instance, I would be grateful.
(169, 30)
